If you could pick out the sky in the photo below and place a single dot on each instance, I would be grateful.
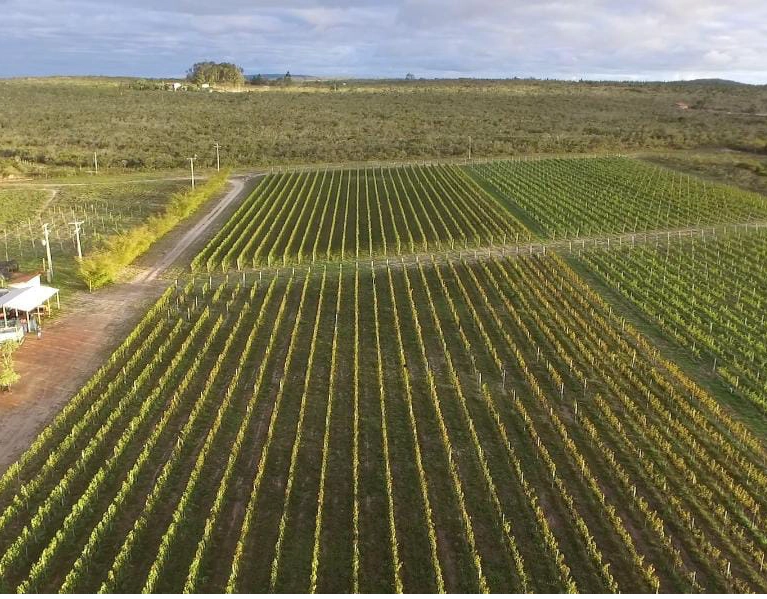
(563, 39)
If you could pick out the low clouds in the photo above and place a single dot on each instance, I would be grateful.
(639, 39)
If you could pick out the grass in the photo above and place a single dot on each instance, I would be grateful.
(19, 204)
(108, 205)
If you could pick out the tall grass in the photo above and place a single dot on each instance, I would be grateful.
(103, 266)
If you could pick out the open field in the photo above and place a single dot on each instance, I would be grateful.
(708, 293)
(578, 197)
(56, 124)
(362, 213)
(343, 404)
(20, 204)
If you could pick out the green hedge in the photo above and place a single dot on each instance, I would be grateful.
(103, 266)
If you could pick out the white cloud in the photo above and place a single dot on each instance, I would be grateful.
(555, 38)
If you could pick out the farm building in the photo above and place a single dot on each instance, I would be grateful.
(23, 304)
(19, 280)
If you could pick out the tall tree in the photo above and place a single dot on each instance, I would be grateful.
(214, 73)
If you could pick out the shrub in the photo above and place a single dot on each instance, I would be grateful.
(103, 266)
(8, 376)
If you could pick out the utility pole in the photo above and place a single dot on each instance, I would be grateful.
(191, 166)
(469, 147)
(77, 224)
(218, 159)
(47, 244)
(96, 162)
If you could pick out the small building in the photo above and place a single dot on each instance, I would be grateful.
(23, 308)
(19, 280)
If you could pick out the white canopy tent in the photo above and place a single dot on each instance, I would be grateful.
(27, 299)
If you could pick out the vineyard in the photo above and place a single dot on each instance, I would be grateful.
(104, 210)
(706, 293)
(300, 217)
(494, 423)
(301, 415)
(570, 197)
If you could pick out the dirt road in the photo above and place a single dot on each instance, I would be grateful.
(192, 234)
(73, 347)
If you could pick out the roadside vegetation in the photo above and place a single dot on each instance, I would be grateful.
(106, 205)
(8, 375)
(119, 250)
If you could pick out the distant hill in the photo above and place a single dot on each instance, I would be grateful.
(273, 76)
(716, 82)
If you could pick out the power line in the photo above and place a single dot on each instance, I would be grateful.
(218, 160)
(47, 244)
(77, 224)
(191, 166)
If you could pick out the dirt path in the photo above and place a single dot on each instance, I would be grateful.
(71, 349)
(92, 324)
(53, 194)
(37, 184)
(192, 234)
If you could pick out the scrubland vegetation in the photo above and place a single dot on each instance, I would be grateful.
(57, 124)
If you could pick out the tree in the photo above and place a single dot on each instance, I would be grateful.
(214, 73)
(409, 77)
(8, 376)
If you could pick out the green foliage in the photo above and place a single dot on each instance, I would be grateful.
(19, 204)
(8, 376)
(103, 266)
(359, 213)
(216, 73)
(705, 292)
(576, 197)
(146, 84)
(106, 205)
(745, 170)
(59, 122)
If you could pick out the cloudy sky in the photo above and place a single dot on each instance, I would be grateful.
(595, 39)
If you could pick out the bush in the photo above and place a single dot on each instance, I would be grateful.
(103, 266)
(8, 376)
